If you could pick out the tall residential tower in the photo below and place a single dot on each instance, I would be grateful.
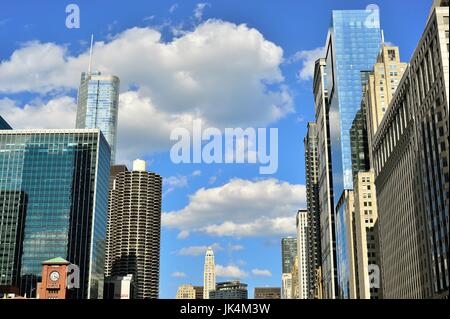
(209, 274)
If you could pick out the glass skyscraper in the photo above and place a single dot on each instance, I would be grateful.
(354, 42)
(53, 203)
(98, 106)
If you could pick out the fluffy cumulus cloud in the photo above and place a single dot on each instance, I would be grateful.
(58, 112)
(226, 74)
(307, 58)
(240, 208)
(231, 272)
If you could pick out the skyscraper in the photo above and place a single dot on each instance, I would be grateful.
(134, 230)
(288, 256)
(313, 212)
(303, 269)
(288, 253)
(209, 274)
(410, 158)
(325, 183)
(54, 187)
(98, 106)
(353, 44)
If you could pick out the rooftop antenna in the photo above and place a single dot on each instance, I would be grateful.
(382, 36)
(90, 54)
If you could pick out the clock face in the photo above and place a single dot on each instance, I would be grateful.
(54, 276)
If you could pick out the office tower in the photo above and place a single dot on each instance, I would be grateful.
(198, 292)
(286, 285)
(345, 249)
(98, 105)
(57, 181)
(186, 292)
(381, 85)
(295, 283)
(366, 236)
(209, 274)
(303, 263)
(325, 183)
(288, 253)
(133, 244)
(353, 44)
(288, 256)
(4, 125)
(229, 290)
(12, 222)
(313, 212)
(267, 293)
(410, 158)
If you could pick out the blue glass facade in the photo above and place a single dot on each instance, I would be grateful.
(98, 106)
(342, 253)
(54, 185)
(354, 41)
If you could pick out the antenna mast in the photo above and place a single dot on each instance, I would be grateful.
(90, 54)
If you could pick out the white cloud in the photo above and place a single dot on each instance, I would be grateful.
(56, 113)
(198, 250)
(197, 173)
(173, 7)
(199, 10)
(179, 274)
(261, 272)
(219, 72)
(308, 59)
(230, 271)
(241, 208)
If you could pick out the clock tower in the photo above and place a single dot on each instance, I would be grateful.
(54, 279)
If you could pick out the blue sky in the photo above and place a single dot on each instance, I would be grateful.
(159, 49)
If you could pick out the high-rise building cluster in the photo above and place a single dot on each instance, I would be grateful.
(376, 224)
(211, 289)
(72, 224)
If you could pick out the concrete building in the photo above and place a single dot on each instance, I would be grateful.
(410, 156)
(198, 292)
(380, 87)
(312, 198)
(267, 293)
(134, 230)
(229, 290)
(295, 283)
(98, 106)
(325, 183)
(209, 274)
(119, 287)
(366, 236)
(57, 182)
(301, 274)
(286, 286)
(186, 292)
